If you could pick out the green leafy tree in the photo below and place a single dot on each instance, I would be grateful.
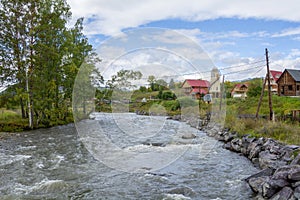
(123, 78)
(255, 87)
(41, 56)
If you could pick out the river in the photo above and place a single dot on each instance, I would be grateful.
(58, 163)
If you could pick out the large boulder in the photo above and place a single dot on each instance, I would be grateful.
(285, 193)
(256, 183)
(297, 192)
(267, 160)
(294, 173)
(263, 173)
(296, 160)
(236, 144)
(287, 171)
(268, 190)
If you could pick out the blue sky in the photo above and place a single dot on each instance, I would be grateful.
(232, 33)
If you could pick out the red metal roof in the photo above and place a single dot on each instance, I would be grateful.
(198, 90)
(197, 83)
(275, 74)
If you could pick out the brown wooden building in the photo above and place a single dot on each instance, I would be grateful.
(289, 83)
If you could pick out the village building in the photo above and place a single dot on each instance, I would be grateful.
(215, 86)
(274, 76)
(289, 83)
(195, 87)
(240, 90)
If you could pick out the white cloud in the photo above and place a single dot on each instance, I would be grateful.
(110, 17)
(288, 32)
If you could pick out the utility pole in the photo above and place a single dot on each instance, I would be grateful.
(269, 86)
(261, 97)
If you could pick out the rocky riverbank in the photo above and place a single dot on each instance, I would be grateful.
(279, 177)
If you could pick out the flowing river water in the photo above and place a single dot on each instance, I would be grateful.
(55, 163)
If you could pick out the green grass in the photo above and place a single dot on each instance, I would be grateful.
(11, 121)
(286, 131)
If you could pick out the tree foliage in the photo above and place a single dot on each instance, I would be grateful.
(41, 56)
(255, 87)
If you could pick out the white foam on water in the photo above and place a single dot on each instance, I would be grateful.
(44, 186)
(176, 197)
(9, 159)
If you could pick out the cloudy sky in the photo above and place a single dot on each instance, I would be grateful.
(234, 33)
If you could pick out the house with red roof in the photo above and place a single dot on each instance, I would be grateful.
(240, 90)
(195, 87)
(274, 76)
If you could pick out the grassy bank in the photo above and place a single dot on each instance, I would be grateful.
(284, 129)
(12, 121)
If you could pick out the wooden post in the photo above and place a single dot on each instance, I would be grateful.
(261, 97)
(269, 86)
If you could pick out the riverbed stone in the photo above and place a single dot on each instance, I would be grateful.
(294, 173)
(254, 152)
(296, 160)
(236, 144)
(283, 172)
(188, 136)
(228, 137)
(268, 190)
(297, 192)
(256, 183)
(227, 146)
(267, 160)
(285, 193)
(262, 173)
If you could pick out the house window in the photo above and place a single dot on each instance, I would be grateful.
(298, 87)
(290, 87)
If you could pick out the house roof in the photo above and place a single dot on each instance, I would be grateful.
(239, 85)
(295, 74)
(197, 83)
(275, 74)
(198, 90)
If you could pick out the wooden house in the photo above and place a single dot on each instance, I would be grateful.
(240, 90)
(289, 83)
(274, 76)
(195, 87)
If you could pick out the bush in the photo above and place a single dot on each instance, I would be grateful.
(187, 102)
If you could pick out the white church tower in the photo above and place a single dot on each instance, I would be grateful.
(215, 84)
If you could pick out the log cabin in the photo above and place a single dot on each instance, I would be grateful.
(289, 83)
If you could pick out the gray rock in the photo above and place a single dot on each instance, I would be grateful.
(294, 173)
(186, 191)
(244, 151)
(188, 136)
(285, 193)
(254, 152)
(297, 192)
(278, 183)
(284, 171)
(296, 160)
(263, 173)
(228, 137)
(268, 190)
(256, 183)
(295, 184)
(227, 146)
(220, 137)
(267, 160)
(236, 144)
